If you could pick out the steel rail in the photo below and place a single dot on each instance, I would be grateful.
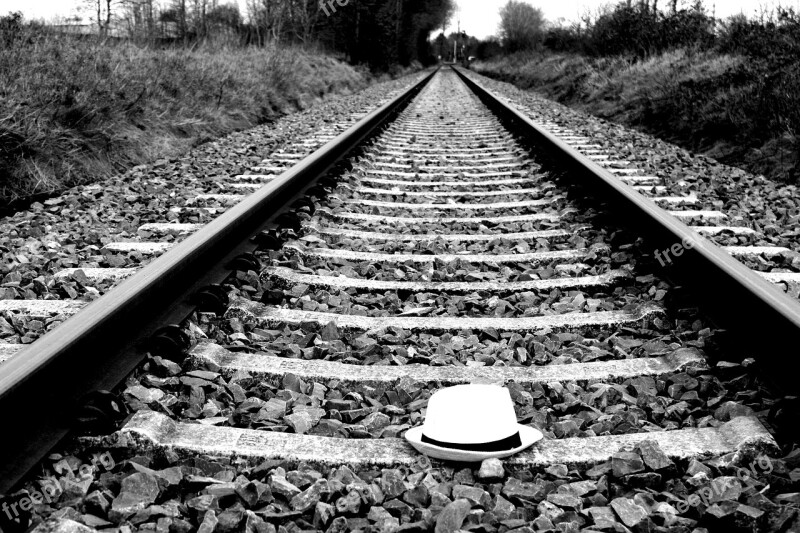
(735, 296)
(102, 344)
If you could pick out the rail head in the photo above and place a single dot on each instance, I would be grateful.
(737, 298)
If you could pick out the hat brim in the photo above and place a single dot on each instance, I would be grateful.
(527, 435)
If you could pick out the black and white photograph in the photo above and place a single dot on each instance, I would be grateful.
(399, 266)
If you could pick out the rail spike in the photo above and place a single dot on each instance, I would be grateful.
(268, 240)
(212, 299)
(305, 204)
(171, 342)
(100, 412)
(245, 263)
(290, 221)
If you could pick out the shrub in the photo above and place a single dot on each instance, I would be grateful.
(624, 30)
(772, 40)
(561, 39)
(636, 31)
(685, 28)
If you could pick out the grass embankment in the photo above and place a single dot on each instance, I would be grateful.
(730, 107)
(77, 110)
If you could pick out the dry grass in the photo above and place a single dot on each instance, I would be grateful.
(736, 109)
(75, 110)
(612, 80)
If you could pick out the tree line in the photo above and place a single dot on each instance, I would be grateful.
(379, 33)
(643, 28)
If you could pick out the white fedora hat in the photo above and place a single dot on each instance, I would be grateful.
(470, 423)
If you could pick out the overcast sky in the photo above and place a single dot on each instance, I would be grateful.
(478, 17)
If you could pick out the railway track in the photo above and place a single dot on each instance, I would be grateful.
(444, 239)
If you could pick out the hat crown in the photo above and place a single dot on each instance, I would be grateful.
(470, 414)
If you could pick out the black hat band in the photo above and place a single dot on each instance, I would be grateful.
(509, 443)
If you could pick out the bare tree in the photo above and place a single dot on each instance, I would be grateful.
(101, 12)
(521, 26)
(199, 17)
(269, 17)
(181, 19)
(307, 15)
(139, 18)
